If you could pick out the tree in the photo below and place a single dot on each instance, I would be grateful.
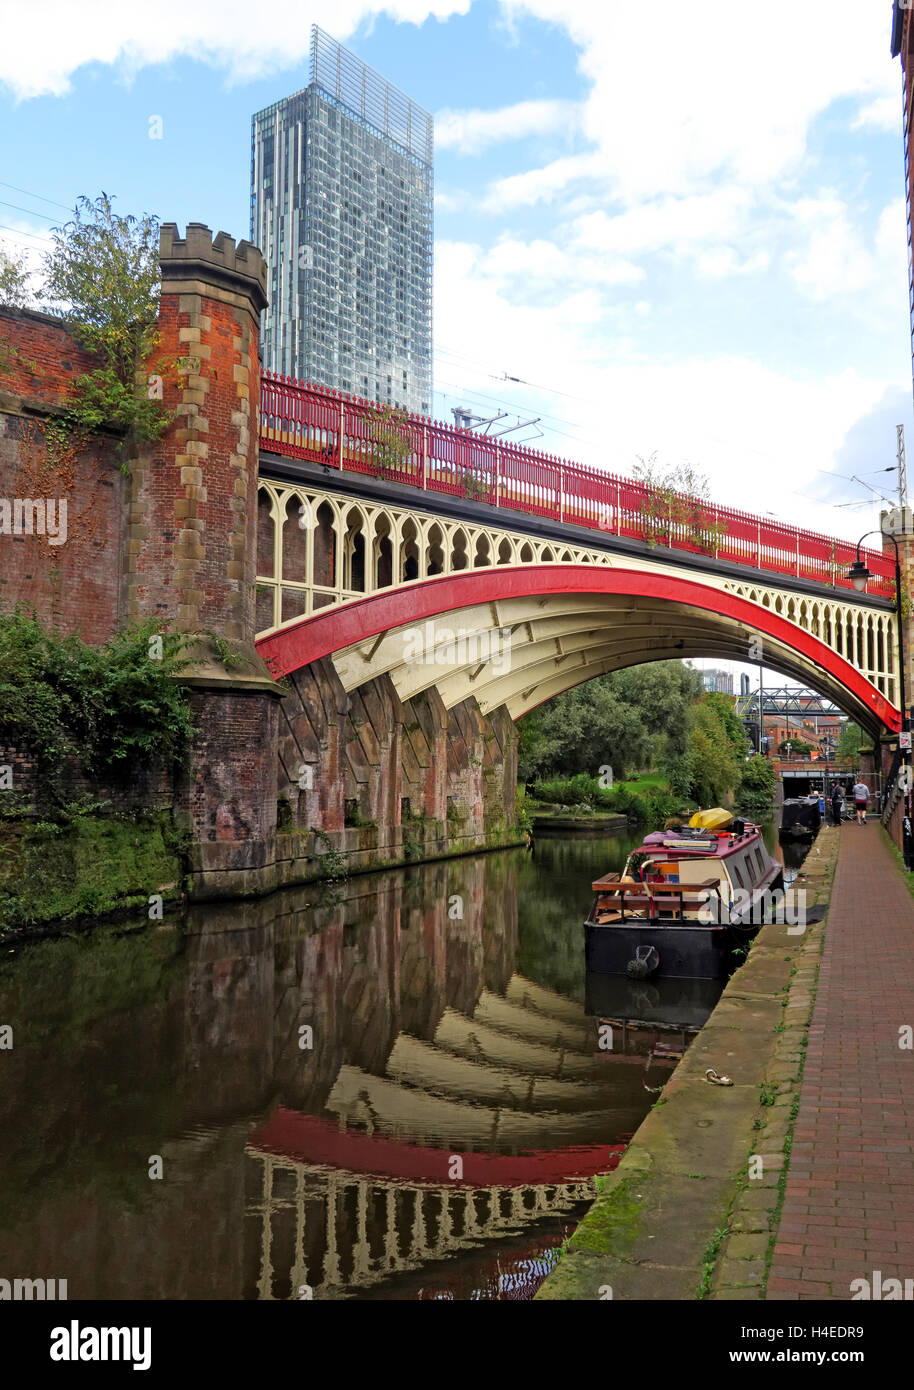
(758, 783)
(716, 755)
(624, 720)
(391, 445)
(794, 745)
(102, 275)
(850, 743)
(15, 292)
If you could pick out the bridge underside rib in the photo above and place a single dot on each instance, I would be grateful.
(518, 637)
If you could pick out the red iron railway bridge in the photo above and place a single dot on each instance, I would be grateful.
(312, 423)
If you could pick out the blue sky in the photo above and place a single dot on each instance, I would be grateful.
(682, 226)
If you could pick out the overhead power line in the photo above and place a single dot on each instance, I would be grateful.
(40, 196)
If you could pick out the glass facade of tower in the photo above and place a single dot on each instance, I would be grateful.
(342, 209)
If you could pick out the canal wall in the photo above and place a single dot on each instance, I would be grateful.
(282, 781)
(692, 1209)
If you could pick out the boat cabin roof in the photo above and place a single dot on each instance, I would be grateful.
(671, 844)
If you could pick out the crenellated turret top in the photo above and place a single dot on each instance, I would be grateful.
(212, 259)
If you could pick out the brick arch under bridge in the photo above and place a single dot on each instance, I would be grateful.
(513, 637)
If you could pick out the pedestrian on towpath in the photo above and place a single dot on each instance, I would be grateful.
(837, 802)
(861, 797)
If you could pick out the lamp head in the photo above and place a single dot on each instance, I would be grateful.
(858, 574)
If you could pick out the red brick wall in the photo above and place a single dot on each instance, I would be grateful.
(39, 358)
(76, 586)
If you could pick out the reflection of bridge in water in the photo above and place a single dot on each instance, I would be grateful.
(495, 1129)
(338, 1232)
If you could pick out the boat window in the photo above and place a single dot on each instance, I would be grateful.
(751, 868)
(738, 876)
(758, 855)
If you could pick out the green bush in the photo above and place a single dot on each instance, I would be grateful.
(64, 702)
(644, 806)
(580, 790)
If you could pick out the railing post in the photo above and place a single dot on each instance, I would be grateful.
(717, 533)
(424, 483)
(498, 475)
(618, 509)
(342, 422)
(758, 544)
(561, 493)
(798, 554)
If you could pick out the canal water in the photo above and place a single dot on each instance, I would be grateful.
(394, 1086)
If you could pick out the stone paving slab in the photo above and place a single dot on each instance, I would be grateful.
(848, 1206)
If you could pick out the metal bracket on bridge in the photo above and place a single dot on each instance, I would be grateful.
(374, 647)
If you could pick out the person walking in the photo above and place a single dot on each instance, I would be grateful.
(837, 803)
(861, 797)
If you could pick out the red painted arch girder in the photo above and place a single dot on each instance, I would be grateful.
(308, 639)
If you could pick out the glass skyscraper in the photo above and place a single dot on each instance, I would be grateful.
(342, 209)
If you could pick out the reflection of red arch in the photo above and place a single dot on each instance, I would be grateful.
(299, 643)
(309, 1139)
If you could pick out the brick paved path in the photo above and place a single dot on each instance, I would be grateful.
(849, 1200)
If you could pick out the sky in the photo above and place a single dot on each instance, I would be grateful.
(681, 227)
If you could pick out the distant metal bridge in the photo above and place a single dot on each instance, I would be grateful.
(786, 700)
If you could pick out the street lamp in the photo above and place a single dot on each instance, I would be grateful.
(858, 574)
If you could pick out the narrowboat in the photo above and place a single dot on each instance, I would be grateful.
(801, 818)
(687, 896)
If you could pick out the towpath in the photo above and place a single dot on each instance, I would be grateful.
(848, 1208)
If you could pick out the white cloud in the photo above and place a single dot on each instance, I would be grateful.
(454, 201)
(758, 432)
(720, 262)
(543, 185)
(835, 258)
(470, 132)
(882, 114)
(546, 263)
(46, 42)
(677, 222)
(686, 93)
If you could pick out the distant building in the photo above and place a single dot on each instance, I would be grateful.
(719, 681)
(342, 209)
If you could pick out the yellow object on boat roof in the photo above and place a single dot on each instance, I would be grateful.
(714, 819)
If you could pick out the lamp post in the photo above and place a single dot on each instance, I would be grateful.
(858, 574)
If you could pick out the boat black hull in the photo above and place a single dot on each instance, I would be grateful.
(799, 820)
(686, 952)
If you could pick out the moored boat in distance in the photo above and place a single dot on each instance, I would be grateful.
(686, 897)
(801, 818)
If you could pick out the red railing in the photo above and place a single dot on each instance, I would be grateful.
(310, 422)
